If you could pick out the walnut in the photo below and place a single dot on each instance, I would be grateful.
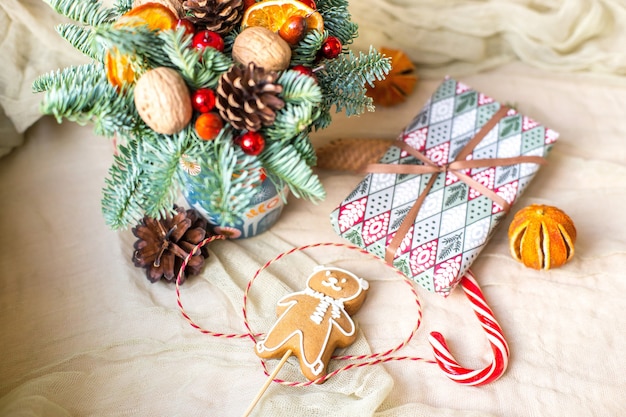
(263, 47)
(163, 101)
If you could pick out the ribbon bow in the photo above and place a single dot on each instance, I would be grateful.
(456, 167)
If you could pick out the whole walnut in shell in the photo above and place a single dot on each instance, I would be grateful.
(263, 47)
(163, 101)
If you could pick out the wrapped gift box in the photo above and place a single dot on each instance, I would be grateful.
(431, 204)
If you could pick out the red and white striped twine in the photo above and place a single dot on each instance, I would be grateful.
(442, 355)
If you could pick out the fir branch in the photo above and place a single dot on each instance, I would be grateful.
(124, 192)
(338, 23)
(305, 52)
(322, 5)
(298, 88)
(88, 12)
(229, 178)
(82, 94)
(81, 38)
(302, 144)
(229, 40)
(199, 71)
(290, 121)
(139, 42)
(286, 165)
(343, 80)
(123, 6)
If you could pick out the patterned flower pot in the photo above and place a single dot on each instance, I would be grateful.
(264, 210)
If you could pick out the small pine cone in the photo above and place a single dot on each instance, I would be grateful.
(248, 97)
(163, 245)
(219, 16)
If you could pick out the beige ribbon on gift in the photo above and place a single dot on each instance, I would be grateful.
(459, 164)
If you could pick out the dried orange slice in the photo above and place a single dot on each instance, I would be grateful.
(398, 84)
(155, 15)
(542, 237)
(118, 66)
(272, 14)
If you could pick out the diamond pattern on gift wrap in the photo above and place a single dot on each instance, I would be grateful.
(528, 123)
(478, 209)
(401, 263)
(508, 192)
(423, 257)
(377, 248)
(465, 102)
(416, 138)
(468, 258)
(462, 88)
(406, 191)
(484, 99)
(506, 174)
(530, 169)
(376, 228)
(381, 182)
(450, 245)
(439, 154)
(438, 133)
(532, 139)
(354, 236)
(426, 279)
(378, 203)
(405, 245)
(484, 152)
(551, 136)
(447, 275)
(441, 110)
(360, 191)
(446, 89)
(351, 214)
(454, 195)
(392, 155)
(453, 219)
(486, 178)
(421, 119)
(433, 203)
(486, 112)
(511, 125)
(476, 234)
(464, 124)
(426, 230)
(510, 147)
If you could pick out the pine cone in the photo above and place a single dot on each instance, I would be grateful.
(248, 97)
(163, 245)
(220, 16)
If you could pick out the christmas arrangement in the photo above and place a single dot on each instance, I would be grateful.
(214, 97)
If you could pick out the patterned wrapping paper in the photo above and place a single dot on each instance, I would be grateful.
(453, 221)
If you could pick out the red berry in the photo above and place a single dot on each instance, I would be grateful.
(248, 3)
(310, 3)
(293, 30)
(190, 28)
(207, 38)
(208, 126)
(252, 143)
(203, 100)
(331, 48)
(305, 71)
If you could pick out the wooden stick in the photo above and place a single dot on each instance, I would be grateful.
(268, 382)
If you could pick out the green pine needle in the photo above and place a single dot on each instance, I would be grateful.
(81, 38)
(88, 12)
(306, 51)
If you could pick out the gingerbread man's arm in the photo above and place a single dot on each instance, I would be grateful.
(286, 302)
(344, 323)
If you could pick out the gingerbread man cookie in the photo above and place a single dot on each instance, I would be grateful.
(314, 322)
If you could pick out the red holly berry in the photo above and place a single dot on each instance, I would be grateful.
(304, 71)
(207, 38)
(248, 3)
(203, 100)
(331, 48)
(310, 3)
(252, 143)
(208, 126)
(190, 28)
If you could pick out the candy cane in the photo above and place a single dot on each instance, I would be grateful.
(446, 361)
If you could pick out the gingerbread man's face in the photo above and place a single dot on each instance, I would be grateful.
(337, 283)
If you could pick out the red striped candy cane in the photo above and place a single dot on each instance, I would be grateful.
(500, 348)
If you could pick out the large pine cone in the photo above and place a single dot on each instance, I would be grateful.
(163, 245)
(248, 97)
(220, 16)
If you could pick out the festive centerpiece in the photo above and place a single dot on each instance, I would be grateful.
(212, 98)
